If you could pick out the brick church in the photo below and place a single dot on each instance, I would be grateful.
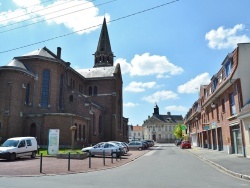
(40, 91)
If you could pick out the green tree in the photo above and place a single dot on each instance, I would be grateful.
(177, 131)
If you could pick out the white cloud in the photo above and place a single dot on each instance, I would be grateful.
(73, 11)
(146, 64)
(160, 96)
(130, 104)
(176, 108)
(226, 38)
(26, 3)
(139, 86)
(193, 85)
(125, 66)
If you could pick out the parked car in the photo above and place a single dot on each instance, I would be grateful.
(137, 145)
(106, 148)
(185, 144)
(178, 142)
(145, 143)
(121, 144)
(18, 147)
(150, 142)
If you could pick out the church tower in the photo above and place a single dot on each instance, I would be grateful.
(104, 56)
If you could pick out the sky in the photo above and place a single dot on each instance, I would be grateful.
(166, 48)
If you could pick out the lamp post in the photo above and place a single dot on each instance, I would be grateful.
(73, 129)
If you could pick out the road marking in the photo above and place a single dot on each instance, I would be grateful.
(151, 152)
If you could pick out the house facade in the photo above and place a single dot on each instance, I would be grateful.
(135, 132)
(40, 91)
(219, 119)
(160, 127)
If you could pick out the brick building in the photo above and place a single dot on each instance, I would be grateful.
(40, 91)
(219, 119)
(160, 127)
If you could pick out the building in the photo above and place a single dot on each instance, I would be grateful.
(219, 119)
(40, 91)
(135, 132)
(160, 127)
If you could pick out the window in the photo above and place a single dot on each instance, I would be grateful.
(45, 88)
(215, 81)
(232, 104)
(74, 84)
(166, 128)
(80, 88)
(139, 134)
(71, 99)
(90, 90)
(27, 94)
(223, 105)
(28, 142)
(220, 78)
(217, 112)
(95, 90)
(228, 68)
(61, 92)
(159, 128)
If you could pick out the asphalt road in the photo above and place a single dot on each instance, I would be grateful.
(166, 166)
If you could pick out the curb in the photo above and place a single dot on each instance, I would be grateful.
(238, 175)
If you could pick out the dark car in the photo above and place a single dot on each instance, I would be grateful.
(150, 142)
(178, 142)
(185, 144)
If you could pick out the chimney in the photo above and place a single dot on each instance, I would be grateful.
(169, 113)
(59, 52)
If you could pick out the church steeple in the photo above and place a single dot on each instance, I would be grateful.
(104, 56)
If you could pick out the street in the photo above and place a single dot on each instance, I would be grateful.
(165, 166)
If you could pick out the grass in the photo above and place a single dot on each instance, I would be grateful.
(61, 151)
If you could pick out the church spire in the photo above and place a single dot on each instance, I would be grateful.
(104, 56)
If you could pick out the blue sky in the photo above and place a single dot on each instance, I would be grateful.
(166, 49)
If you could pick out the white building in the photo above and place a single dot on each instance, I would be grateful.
(160, 127)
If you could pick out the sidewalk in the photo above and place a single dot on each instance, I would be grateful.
(233, 164)
(25, 167)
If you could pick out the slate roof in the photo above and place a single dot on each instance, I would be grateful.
(16, 63)
(97, 72)
(39, 52)
(169, 118)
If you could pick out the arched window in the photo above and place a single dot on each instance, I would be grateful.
(61, 92)
(90, 90)
(33, 130)
(27, 94)
(45, 88)
(71, 98)
(95, 90)
(76, 131)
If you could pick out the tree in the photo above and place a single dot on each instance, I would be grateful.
(178, 131)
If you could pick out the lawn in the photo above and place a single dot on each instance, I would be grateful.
(61, 151)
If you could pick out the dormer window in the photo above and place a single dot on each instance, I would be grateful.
(215, 81)
(228, 68)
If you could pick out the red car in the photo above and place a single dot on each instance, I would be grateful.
(185, 144)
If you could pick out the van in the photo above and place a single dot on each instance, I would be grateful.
(18, 147)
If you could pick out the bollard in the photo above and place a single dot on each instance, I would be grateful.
(116, 154)
(89, 159)
(103, 153)
(41, 162)
(112, 156)
(69, 162)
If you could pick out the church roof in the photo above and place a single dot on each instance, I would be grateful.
(104, 42)
(39, 52)
(97, 72)
(16, 63)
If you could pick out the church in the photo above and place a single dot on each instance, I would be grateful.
(40, 91)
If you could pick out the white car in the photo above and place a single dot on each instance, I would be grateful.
(104, 148)
(18, 147)
(122, 145)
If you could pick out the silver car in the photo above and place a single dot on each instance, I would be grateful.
(104, 148)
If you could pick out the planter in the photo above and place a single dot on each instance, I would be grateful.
(80, 156)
